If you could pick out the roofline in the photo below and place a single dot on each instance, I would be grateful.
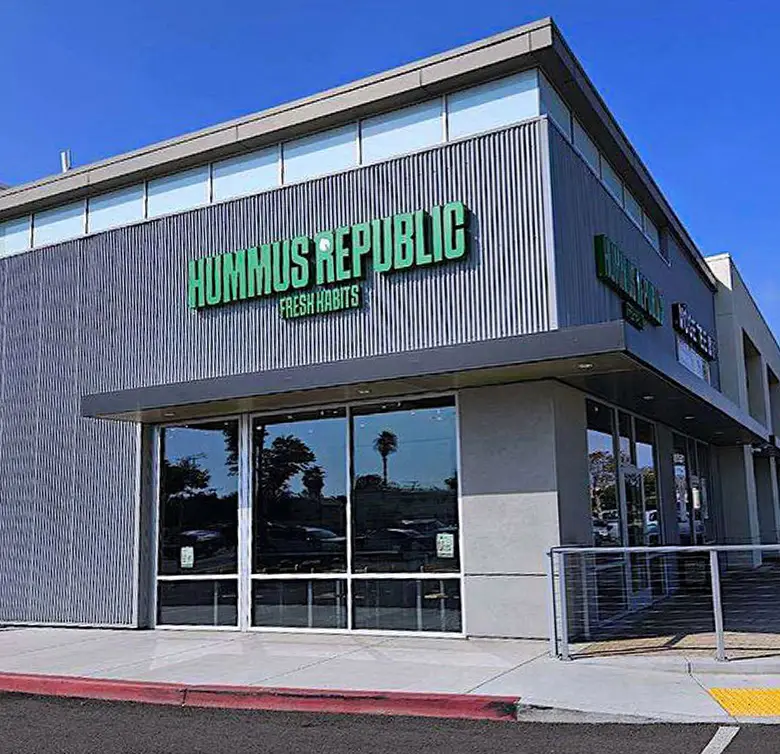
(536, 44)
(406, 84)
(735, 269)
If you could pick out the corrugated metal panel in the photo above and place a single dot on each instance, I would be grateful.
(582, 208)
(109, 312)
(500, 291)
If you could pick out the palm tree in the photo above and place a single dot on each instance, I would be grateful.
(386, 443)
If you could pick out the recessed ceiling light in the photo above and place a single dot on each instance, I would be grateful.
(169, 414)
(363, 391)
(648, 397)
(718, 431)
(585, 365)
(688, 417)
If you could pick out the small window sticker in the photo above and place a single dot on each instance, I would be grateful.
(445, 545)
(187, 557)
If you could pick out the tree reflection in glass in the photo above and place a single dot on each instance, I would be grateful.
(198, 499)
(604, 503)
(405, 488)
(299, 497)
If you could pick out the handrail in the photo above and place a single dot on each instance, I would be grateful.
(662, 549)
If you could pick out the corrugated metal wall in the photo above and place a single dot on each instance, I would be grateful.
(582, 208)
(109, 312)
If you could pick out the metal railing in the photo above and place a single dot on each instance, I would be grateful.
(620, 600)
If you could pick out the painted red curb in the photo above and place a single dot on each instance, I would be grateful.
(463, 706)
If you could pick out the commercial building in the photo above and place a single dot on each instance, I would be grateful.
(356, 362)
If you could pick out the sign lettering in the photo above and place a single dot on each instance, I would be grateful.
(322, 274)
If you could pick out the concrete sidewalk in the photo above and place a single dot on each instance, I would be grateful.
(672, 688)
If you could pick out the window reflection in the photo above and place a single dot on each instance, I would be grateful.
(682, 497)
(604, 503)
(405, 487)
(199, 499)
(299, 470)
(407, 605)
(645, 460)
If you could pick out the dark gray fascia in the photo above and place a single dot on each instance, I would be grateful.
(574, 342)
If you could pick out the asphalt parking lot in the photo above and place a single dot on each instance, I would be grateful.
(42, 725)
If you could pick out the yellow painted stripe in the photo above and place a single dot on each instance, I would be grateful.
(749, 702)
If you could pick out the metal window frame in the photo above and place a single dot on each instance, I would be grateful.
(245, 578)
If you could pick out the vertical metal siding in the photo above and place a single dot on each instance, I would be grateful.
(109, 312)
(582, 208)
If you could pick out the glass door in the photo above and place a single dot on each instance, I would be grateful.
(638, 576)
(197, 554)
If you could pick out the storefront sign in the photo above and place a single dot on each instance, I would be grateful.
(623, 276)
(319, 275)
(703, 341)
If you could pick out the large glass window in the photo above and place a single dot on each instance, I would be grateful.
(340, 503)
(322, 153)
(299, 515)
(405, 488)
(247, 174)
(15, 235)
(114, 209)
(179, 192)
(407, 605)
(199, 499)
(60, 224)
(401, 131)
(492, 105)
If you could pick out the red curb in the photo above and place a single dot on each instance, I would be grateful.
(463, 706)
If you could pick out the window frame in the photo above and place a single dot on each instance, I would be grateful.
(246, 578)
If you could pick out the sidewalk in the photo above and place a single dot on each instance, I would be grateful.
(672, 688)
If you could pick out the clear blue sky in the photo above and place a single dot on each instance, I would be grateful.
(693, 84)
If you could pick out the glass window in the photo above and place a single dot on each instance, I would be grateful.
(651, 232)
(15, 236)
(300, 603)
(319, 154)
(114, 209)
(680, 458)
(199, 499)
(401, 132)
(646, 465)
(553, 106)
(493, 105)
(604, 503)
(586, 148)
(405, 487)
(197, 603)
(60, 224)
(247, 174)
(179, 192)
(299, 467)
(633, 210)
(612, 181)
(692, 360)
(413, 605)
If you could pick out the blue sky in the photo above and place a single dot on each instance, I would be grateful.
(693, 84)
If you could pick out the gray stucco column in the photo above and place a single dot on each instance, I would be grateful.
(524, 482)
(740, 502)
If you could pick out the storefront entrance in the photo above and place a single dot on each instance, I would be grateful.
(332, 519)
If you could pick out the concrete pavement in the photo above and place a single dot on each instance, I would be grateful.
(672, 687)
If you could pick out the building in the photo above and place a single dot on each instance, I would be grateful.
(356, 362)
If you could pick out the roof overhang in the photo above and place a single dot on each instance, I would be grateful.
(591, 358)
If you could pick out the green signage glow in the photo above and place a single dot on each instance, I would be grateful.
(317, 275)
(623, 276)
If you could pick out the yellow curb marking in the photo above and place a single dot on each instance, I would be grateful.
(749, 702)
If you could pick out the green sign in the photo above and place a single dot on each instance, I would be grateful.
(322, 274)
(623, 276)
